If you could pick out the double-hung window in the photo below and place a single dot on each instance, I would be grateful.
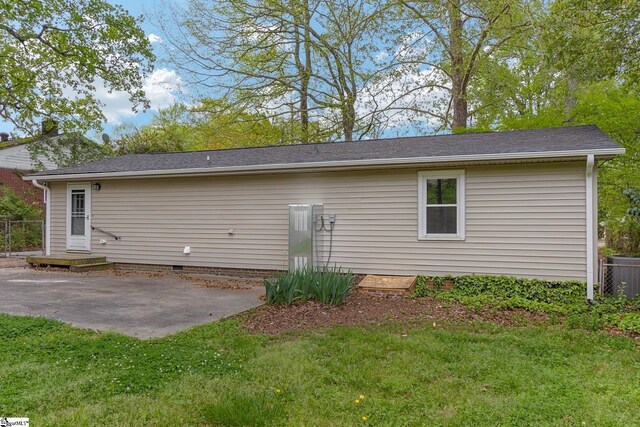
(441, 205)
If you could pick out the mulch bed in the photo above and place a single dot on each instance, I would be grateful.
(361, 308)
(209, 281)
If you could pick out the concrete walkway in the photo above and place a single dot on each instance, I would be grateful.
(135, 305)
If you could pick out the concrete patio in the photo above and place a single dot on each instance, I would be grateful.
(132, 304)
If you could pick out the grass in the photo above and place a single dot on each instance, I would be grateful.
(218, 374)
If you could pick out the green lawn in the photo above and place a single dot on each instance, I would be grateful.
(218, 374)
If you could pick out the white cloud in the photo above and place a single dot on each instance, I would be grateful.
(161, 87)
(154, 38)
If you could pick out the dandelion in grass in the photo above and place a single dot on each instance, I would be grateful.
(278, 391)
(434, 324)
(357, 401)
(361, 397)
(364, 418)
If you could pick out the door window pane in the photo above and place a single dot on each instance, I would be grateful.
(77, 213)
(442, 219)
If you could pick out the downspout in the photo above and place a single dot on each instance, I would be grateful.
(47, 221)
(590, 227)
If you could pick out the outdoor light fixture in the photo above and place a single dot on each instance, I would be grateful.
(97, 186)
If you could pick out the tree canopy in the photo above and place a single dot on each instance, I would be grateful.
(54, 54)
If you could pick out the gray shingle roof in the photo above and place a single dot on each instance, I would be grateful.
(578, 138)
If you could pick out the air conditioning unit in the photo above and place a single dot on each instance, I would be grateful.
(305, 236)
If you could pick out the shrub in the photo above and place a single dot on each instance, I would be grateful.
(553, 297)
(15, 208)
(24, 235)
(327, 285)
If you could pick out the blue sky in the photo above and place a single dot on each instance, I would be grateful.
(163, 74)
(165, 86)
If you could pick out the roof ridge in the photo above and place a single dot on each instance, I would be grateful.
(479, 146)
(462, 134)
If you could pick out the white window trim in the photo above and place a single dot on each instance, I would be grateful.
(422, 204)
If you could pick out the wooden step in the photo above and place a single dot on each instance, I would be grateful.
(96, 266)
(388, 285)
(65, 260)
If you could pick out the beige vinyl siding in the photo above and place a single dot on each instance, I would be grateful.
(524, 220)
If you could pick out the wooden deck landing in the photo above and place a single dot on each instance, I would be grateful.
(75, 262)
(388, 285)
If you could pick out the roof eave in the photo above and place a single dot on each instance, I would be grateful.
(600, 154)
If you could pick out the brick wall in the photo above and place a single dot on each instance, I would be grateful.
(12, 178)
(216, 271)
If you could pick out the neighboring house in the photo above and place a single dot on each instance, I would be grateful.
(16, 159)
(520, 203)
(15, 162)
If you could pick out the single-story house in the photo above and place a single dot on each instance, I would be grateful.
(520, 203)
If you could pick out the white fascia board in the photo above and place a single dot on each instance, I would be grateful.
(332, 164)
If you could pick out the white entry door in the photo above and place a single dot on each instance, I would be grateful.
(79, 217)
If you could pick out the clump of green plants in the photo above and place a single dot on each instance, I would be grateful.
(430, 285)
(422, 288)
(628, 322)
(329, 285)
(517, 292)
(558, 298)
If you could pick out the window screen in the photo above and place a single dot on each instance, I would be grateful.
(77, 212)
(442, 206)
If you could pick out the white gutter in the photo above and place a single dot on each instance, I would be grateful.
(47, 221)
(590, 226)
(332, 164)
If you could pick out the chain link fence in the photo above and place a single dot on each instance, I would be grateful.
(620, 276)
(19, 236)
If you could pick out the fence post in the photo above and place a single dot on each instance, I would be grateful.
(6, 240)
(601, 276)
(9, 234)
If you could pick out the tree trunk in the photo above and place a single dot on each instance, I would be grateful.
(458, 89)
(348, 117)
(306, 76)
(570, 100)
(303, 65)
(304, 111)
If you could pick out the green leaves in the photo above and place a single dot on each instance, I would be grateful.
(634, 198)
(546, 296)
(211, 124)
(326, 285)
(54, 53)
(15, 208)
